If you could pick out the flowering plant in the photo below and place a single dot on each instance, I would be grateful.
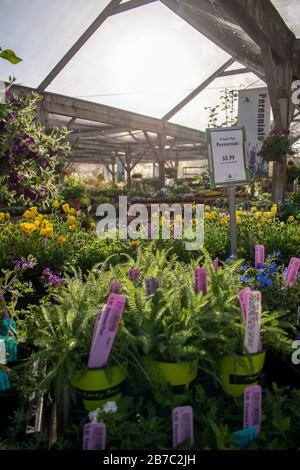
(28, 155)
(276, 146)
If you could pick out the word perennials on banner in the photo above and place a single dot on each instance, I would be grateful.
(227, 156)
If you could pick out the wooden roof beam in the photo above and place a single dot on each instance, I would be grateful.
(198, 90)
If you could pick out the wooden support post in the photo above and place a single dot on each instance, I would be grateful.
(128, 168)
(161, 139)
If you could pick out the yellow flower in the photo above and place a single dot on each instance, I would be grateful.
(72, 228)
(43, 232)
(267, 215)
(40, 217)
(213, 214)
(223, 221)
(2, 217)
(27, 227)
(27, 215)
(258, 214)
(134, 244)
(55, 204)
(37, 222)
(253, 209)
(238, 220)
(49, 230)
(72, 210)
(7, 216)
(7, 231)
(61, 240)
(33, 210)
(194, 207)
(66, 208)
(207, 215)
(238, 213)
(291, 218)
(71, 220)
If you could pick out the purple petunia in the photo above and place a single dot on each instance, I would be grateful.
(22, 264)
(52, 279)
(10, 96)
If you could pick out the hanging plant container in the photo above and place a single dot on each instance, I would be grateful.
(275, 147)
(237, 374)
(177, 374)
(98, 386)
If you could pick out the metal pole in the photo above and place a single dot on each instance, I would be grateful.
(233, 229)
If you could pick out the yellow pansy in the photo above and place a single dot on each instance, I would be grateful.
(72, 210)
(71, 220)
(27, 227)
(253, 209)
(291, 218)
(258, 214)
(194, 207)
(27, 214)
(33, 210)
(43, 232)
(238, 220)
(37, 222)
(40, 217)
(223, 221)
(66, 208)
(238, 213)
(72, 228)
(7, 216)
(49, 230)
(267, 215)
(61, 240)
(2, 217)
(55, 204)
(206, 215)
(213, 214)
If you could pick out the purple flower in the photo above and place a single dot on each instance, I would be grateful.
(10, 96)
(52, 279)
(29, 194)
(44, 162)
(22, 264)
(245, 279)
(52, 152)
(12, 116)
(14, 177)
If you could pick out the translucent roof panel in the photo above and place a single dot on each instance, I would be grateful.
(145, 60)
(290, 12)
(41, 32)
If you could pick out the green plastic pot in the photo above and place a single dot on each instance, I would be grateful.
(175, 373)
(98, 386)
(236, 375)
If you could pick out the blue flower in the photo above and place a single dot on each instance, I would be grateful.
(230, 258)
(263, 280)
(245, 279)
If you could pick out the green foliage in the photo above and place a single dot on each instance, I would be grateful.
(10, 56)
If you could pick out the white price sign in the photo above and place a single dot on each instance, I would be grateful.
(227, 152)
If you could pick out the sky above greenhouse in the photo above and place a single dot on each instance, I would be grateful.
(145, 60)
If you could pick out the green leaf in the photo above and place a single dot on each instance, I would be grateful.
(9, 55)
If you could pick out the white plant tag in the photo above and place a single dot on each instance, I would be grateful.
(252, 332)
(2, 92)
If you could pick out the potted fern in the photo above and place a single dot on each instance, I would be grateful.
(276, 146)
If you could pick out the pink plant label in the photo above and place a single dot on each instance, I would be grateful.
(216, 264)
(183, 425)
(94, 436)
(114, 288)
(98, 316)
(134, 274)
(243, 298)
(152, 283)
(252, 333)
(252, 407)
(259, 255)
(106, 331)
(200, 280)
(292, 271)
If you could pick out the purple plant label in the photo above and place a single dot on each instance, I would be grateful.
(134, 274)
(94, 436)
(106, 331)
(200, 280)
(98, 316)
(183, 425)
(252, 407)
(243, 298)
(216, 264)
(259, 255)
(252, 332)
(292, 271)
(114, 288)
(152, 283)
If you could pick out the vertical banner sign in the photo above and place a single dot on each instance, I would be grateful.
(227, 156)
(292, 271)
(200, 280)
(252, 407)
(252, 332)
(254, 114)
(259, 255)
